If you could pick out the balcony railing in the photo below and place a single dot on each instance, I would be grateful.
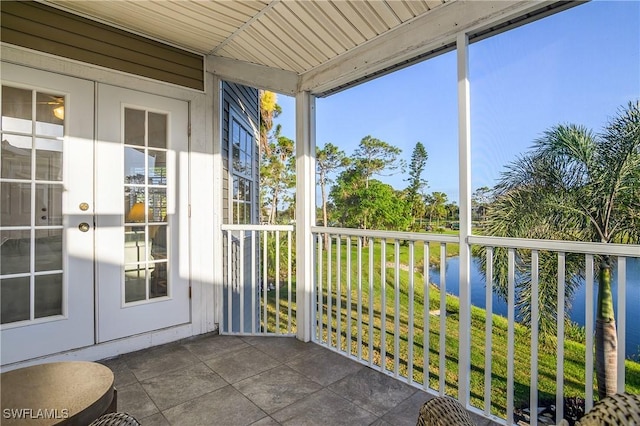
(259, 289)
(374, 301)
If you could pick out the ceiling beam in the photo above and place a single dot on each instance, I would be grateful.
(260, 76)
(434, 30)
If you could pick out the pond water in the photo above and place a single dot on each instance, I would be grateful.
(577, 313)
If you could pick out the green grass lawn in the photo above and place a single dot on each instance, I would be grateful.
(370, 321)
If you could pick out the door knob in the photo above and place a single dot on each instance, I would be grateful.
(84, 227)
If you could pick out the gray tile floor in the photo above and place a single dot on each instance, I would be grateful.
(228, 380)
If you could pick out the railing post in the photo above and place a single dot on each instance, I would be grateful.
(305, 212)
(464, 164)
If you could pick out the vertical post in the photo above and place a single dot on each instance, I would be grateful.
(215, 112)
(305, 211)
(464, 165)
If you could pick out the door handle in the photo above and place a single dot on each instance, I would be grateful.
(84, 227)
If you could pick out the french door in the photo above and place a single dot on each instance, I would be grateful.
(141, 212)
(93, 214)
(46, 213)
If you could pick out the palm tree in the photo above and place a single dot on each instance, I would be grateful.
(572, 185)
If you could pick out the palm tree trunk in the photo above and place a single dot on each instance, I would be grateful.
(606, 338)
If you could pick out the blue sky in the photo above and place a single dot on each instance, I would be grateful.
(579, 66)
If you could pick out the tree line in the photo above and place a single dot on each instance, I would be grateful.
(351, 193)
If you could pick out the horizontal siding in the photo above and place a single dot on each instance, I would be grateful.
(43, 28)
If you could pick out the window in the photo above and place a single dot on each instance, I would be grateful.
(241, 149)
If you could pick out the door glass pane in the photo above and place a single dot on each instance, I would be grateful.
(48, 250)
(31, 199)
(48, 204)
(15, 155)
(135, 283)
(15, 252)
(48, 295)
(157, 167)
(157, 204)
(17, 110)
(16, 204)
(135, 244)
(158, 282)
(157, 130)
(134, 128)
(49, 159)
(158, 235)
(49, 115)
(14, 299)
(134, 165)
(145, 205)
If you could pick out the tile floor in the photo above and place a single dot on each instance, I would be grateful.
(228, 380)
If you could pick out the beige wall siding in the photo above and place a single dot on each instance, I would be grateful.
(46, 29)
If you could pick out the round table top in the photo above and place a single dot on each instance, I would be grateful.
(70, 392)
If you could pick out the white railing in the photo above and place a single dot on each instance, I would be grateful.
(259, 289)
(374, 303)
(389, 313)
(562, 249)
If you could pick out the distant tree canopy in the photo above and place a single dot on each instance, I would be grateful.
(362, 202)
(277, 174)
(269, 109)
(419, 158)
(328, 160)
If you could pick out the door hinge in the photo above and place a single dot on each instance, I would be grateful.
(189, 130)
(189, 211)
(189, 292)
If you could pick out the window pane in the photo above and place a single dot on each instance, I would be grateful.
(49, 115)
(48, 295)
(48, 205)
(14, 299)
(134, 128)
(17, 109)
(157, 205)
(15, 204)
(48, 250)
(49, 159)
(15, 252)
(134, 244)
(157, 167)
(15, 153)
(135, 283)
(158, 283)
(157, 130)
(134, 166)
(158, 234)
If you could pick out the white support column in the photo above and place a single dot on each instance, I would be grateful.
(464, 164)
(203, 113)
(218, 255)
(305, 211)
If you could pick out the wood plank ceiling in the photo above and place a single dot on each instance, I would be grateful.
(292, 35)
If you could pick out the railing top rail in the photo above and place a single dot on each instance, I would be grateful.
(396, 235)
(627, 250)
(247, 227)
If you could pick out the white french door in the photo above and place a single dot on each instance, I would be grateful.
(93, 213)
(46, 213)
(142, 258)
